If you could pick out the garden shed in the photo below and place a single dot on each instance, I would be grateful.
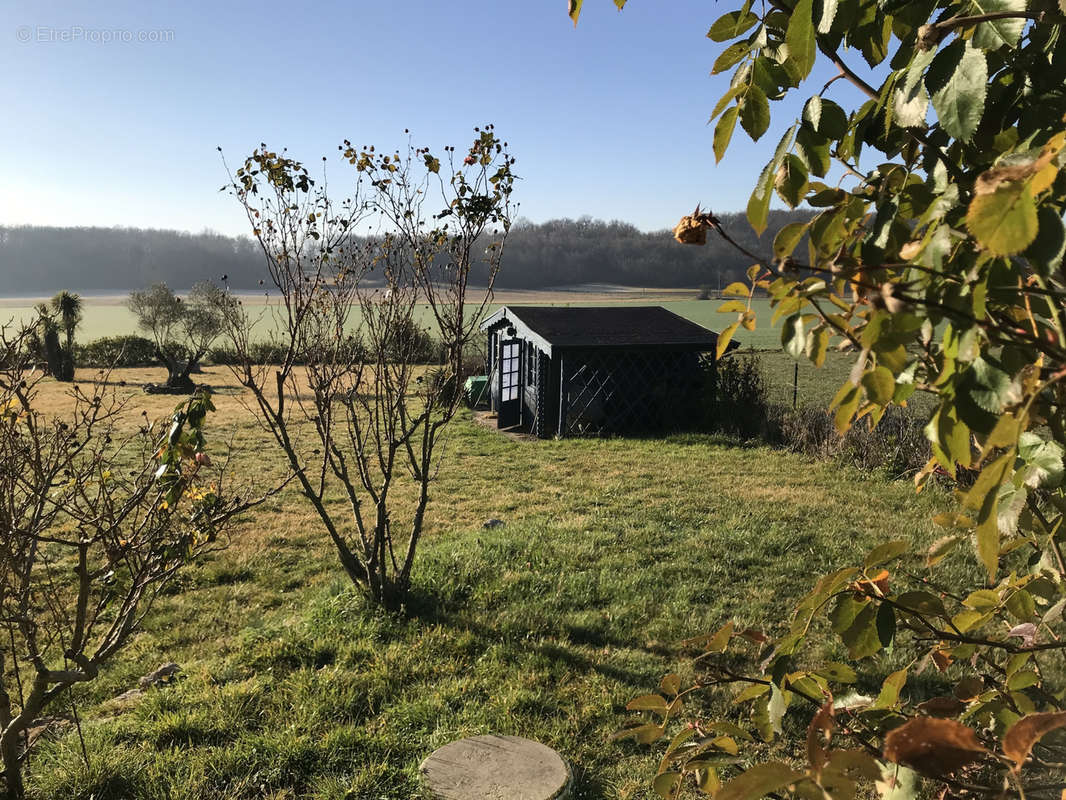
(571, 371)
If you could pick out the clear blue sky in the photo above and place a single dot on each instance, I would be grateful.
(608, 120)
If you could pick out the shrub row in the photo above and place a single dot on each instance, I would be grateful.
(415, 344)
(741, 408)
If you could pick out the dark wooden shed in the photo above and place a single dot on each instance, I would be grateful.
(569, 371)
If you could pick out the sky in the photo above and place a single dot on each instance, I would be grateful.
(114, 110)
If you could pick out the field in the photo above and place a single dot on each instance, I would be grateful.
(612, 551)
(108, 316)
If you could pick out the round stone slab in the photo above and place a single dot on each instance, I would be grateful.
(496, 768)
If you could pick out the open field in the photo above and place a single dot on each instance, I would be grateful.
(613, 550)
(108, 315)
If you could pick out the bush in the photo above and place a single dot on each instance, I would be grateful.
(117, 351)
(272, 352)
(741, 408)
(740, 404)
(414, 345)
(897, 445)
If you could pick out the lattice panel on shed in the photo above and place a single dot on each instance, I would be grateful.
(630, 390)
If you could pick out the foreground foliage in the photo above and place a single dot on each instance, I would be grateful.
(95, 519)
(941, 267)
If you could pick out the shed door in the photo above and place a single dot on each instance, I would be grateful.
(510, 411)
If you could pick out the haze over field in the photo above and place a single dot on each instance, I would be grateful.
(564, 252)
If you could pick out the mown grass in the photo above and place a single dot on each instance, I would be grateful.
(612, 551)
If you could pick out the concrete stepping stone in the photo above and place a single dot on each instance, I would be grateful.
(496, 768)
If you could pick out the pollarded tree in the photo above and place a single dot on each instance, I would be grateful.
(937, 259)
(350, 404)
(182, 329)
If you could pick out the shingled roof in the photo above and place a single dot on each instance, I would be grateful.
(569, 327)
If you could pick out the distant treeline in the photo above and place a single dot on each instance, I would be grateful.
(43, 260)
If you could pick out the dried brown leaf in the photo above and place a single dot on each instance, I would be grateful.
(933, 746)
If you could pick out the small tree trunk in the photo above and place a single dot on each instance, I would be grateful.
(9, 745)
(53, 352)
(178, 379)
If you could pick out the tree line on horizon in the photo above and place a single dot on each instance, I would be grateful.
(560, 252)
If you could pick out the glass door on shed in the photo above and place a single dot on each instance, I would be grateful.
(510, 411)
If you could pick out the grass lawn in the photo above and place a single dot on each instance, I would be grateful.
(613, 550)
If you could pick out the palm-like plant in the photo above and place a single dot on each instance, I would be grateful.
(68, 307)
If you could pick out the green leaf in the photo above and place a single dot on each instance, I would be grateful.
(812, 111)
(884, 553)
(950, 438)
(759, 781)
(667, 785)
(814, 148)
(880, 385)
(1045, 254)
(723, 132)
(833, 671)
(984, 496)
(755, 112)
(1004, 221)
(788, 238)
(791, 180)
(958, 80)
(924, 603)
(647, 702)
(671, 684)
(726, 99)
(800, 37)
(995, 33)
(759, 202)
(707, 780)
(910, 105)
(776, 708)
(1043, 461)
(730, 57)
(886, 624)
(731, 25)
(862, 635)
(832, 121)
(986, 385)
(817, 345)
(890, 689)
(793, 336)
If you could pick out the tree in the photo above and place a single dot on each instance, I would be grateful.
(86, 546)
(363, 419)
(67, 307)
(63, 312)
(941, 268)
(183, 330)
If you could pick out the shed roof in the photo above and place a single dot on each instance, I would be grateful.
(567, 327)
